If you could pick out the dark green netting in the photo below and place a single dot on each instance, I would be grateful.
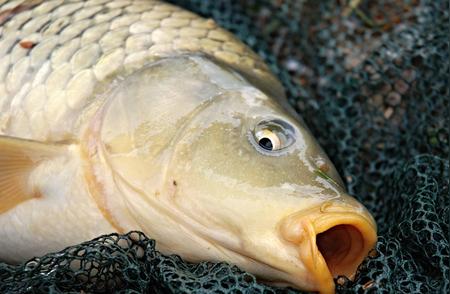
(372, 82)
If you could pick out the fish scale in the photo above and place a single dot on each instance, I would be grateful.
(137, 115)
(78, 45)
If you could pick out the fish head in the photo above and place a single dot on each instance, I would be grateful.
(230, 165)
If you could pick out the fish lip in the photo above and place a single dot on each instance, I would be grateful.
(303, 229)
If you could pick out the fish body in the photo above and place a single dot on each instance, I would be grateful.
(138, 115)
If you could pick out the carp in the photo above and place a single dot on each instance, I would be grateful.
(138, 115)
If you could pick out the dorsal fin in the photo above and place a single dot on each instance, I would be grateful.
(18, 157)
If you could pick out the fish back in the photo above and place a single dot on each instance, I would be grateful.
(57, 57)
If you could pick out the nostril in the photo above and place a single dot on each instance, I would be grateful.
(342, 247)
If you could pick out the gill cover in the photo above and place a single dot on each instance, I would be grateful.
(213, 168)
(149, 111)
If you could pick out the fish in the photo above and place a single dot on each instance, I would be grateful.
(139, 115)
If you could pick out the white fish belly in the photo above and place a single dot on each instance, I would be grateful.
(57, 59)
(65, 215)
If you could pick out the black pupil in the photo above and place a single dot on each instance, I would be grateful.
(266, 143)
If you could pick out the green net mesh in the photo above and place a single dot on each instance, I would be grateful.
(370, 78)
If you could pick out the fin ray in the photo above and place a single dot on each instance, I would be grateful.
(18, 157)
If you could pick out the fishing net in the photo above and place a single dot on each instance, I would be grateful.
(370, 78)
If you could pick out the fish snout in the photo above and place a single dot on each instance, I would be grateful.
(331, 241)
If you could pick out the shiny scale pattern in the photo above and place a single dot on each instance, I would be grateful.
(372, 83)
(51, 48)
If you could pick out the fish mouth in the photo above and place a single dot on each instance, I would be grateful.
(329, 244)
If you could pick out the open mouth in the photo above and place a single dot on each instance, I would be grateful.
(330, 244)
(342, 248)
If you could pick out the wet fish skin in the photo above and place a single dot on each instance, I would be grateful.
(81, 45)
(49, 91)
(135, 114)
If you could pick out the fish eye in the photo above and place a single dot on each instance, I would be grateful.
(268, 140)
(270, 136)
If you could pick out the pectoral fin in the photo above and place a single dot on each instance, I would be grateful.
(18, 157)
